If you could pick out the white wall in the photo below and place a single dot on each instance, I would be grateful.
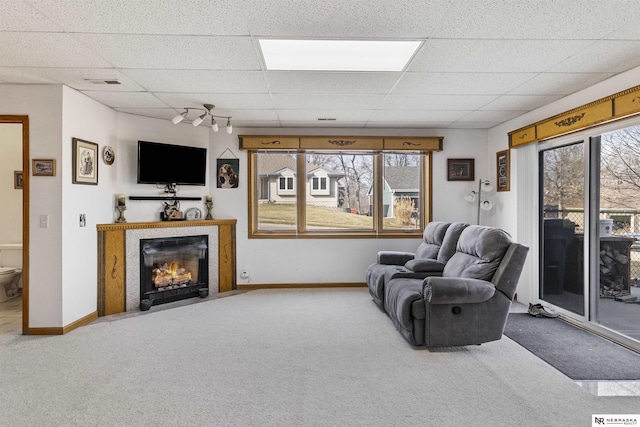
(10, 161)
(293, 260)
(43, 105)
(90, 121)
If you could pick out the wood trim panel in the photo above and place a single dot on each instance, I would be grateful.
(226, 258)
(163, 224)
(575, 120)
(627, 103)
(111, 272)
(341, 143)
(269, 142)
(522, 136)
(413, 143)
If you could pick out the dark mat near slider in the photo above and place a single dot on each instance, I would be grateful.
(580, 355)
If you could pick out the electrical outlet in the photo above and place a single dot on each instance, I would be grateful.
(244, 274)
(83, 220)
(44, 221)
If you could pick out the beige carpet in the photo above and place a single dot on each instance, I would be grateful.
(280, 358)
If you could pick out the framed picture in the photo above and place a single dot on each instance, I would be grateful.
(17, 180)
(43, 167)
(228, 172)
(85, 162)
(502, 170)
(460, 170)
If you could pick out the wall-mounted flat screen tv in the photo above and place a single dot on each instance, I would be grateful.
(171, 164)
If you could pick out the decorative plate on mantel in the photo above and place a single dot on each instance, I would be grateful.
(108, 155)
(193, 213)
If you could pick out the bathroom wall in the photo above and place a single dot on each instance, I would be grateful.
(10, 161)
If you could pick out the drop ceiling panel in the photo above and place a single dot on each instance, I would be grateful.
(435, 102)
(199, 81)
(327, 82)
(206, 17)
(78, 78)
(409, 124)
(460, 83)
(539, 19)
(491, 116)
(20, 16)
(126, 99)
(602, 57)
(158, 113)
(317, 124)
(175, 52)
(472, 125)
(313, 115)
(520, 102)
(417, 116)
(23, 76)
(234, 101)
(558, 83)
(493, 55)
(248, 115)
(326, 101)
(254, 124)
(46, 50)
(345, 19)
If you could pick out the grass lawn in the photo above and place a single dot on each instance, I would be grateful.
(318, 217)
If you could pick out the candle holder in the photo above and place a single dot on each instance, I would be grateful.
(208, 206)
(121, 209)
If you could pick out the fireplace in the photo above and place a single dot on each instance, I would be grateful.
(173, 268)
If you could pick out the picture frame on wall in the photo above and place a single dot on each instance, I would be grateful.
(85, 162)
(460, 170)
(43, 167)
(503, 171)
(17, 180)
(228, 173)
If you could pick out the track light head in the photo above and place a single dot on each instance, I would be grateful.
(229, 127)
(214, 124)
(180, 117)
(199, 120)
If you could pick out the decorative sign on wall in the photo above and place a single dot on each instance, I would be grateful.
(502, 170)
(85, 162)
(228, 171)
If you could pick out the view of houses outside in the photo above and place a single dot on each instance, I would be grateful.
(338, 191)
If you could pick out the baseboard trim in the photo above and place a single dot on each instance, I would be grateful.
(301, 285)
(65, 329)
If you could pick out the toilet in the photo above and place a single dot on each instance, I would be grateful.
(10, 271)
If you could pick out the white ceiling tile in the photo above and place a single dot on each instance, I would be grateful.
(317, 124)
(472, 125)
(313, 115)
(233, 101)
(326, 101)
(23, 76)
(602, 57)
(298, 82)
(175, 52)
(520, 102)
(460, 83)
(199, 81)
(46, 50)
(20, 16)
(206, 17)
(126, 99)
(77, 78)
(409, 125)
(158, 113)
(558, 83)
(539, 19)
(250, 115)
(505, 56)
(491, 116)
(417, 115)
(254, 124)
(435, 102)
(345, 19)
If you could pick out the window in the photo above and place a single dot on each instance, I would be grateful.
(347, 194)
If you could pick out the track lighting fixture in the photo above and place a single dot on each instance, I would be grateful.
(198, 120)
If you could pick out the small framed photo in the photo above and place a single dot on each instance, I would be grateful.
(43, 167)
(460, 170)
(17, 180)
(228, 172)
(85, 162)
(502, 170)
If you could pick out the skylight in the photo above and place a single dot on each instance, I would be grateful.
(337, 55)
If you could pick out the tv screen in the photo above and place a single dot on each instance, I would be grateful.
(171, 164)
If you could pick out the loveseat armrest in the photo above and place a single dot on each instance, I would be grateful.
(424, 265)
(394, 257)
(455, 290)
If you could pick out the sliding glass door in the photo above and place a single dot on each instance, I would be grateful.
(615, 301)
(562, 221)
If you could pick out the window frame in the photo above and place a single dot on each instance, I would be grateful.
(300, 181)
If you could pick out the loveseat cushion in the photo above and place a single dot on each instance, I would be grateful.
(479, 252)
(433, 237)
(424, 265)
(394, 257)
(453, 290)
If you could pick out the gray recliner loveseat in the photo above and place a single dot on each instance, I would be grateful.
(438, 245)
(469, 303)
